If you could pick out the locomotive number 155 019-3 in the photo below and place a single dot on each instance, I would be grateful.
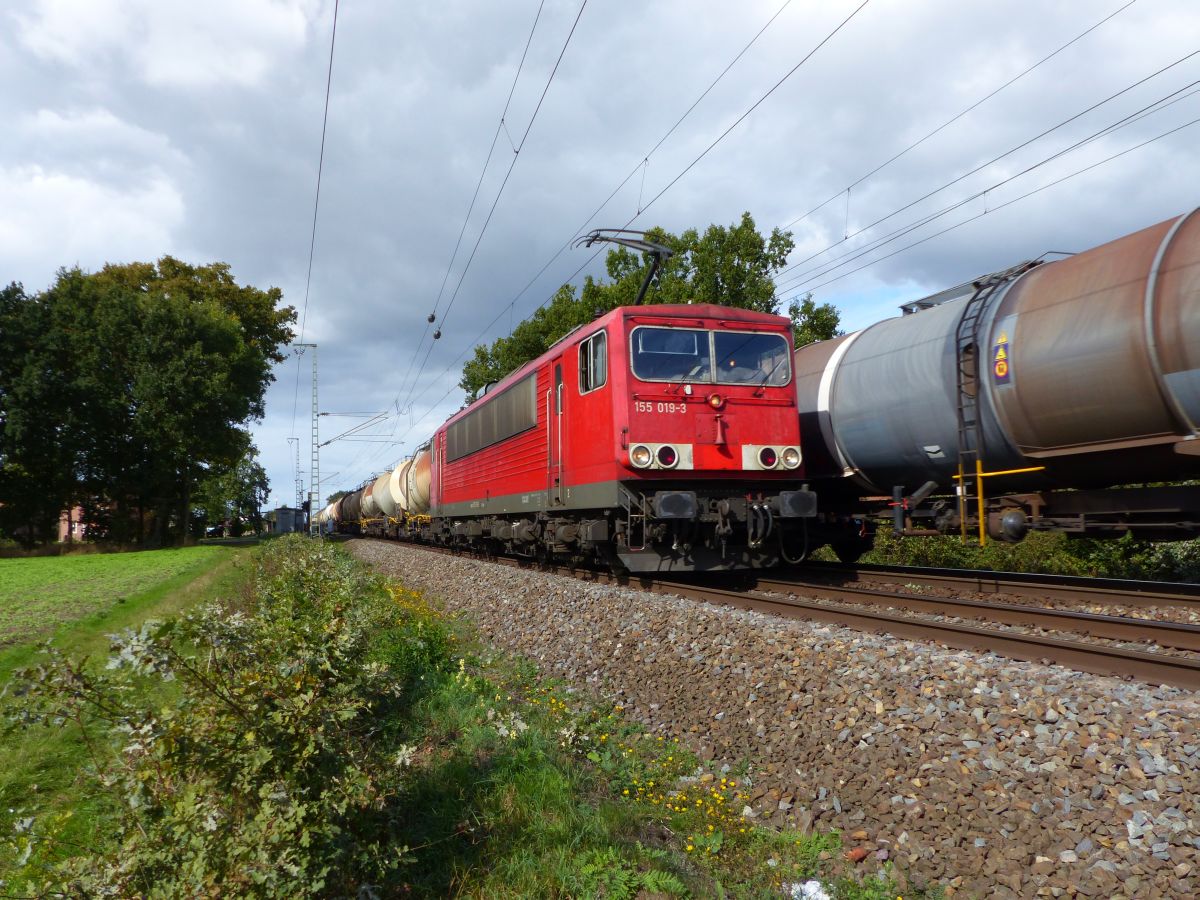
(667, 407)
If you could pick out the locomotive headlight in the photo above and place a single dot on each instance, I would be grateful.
(790, 457)
(640, 456)
(716, 401)
(768, 457)
(667, 457)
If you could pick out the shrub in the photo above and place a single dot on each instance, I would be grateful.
(275, 770)
(1053, 553)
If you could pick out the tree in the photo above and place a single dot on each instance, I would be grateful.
(812, 323)
(730, 266)
(40, 405)
(153, 369)
(234, 493)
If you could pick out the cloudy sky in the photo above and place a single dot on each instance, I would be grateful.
(136, 128)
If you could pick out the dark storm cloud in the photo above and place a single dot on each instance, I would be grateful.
(151, 127)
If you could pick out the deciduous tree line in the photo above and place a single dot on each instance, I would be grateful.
(127, 392)
(731, 266)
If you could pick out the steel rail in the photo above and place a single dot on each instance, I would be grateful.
(1024, 584)
(1121, 628)
(1097, 658)
(1100, 659)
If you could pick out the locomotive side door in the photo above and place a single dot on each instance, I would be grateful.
(554, 429)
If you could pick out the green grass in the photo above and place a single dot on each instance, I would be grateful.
(579, 802)
(41, 768)
(38, 595)
(482, 779)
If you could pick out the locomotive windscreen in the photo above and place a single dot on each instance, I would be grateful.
(679, 354)
(752, 358)
(671, 354)
(497, 418)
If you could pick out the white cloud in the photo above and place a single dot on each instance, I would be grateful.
(51, 219)
(92, 135)
(188, 45)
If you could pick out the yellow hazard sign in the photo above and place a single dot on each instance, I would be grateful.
(1000, 363)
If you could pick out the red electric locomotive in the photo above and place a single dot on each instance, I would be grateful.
(659, 438)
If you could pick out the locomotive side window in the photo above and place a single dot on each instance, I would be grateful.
(593, 363)
(499, 417)
(746, 358)
(671, 354)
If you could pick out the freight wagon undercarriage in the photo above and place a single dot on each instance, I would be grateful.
(1164, 513)
(648, 530)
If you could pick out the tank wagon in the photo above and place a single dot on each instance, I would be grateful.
(1019, 395)
(662, 438)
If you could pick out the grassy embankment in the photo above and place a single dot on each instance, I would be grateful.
(330, 734)
(75, 602)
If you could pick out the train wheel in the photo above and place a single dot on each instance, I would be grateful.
(849, 550)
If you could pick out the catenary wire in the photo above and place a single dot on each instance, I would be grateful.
(471, 207)
(639, 166)
(797, 281)
(1012, 201)
(312, 244)
(755, 105)
(487, 221)
(516, 155)
(831, 265)
(996, 159)
(677, 178)
(883, 165)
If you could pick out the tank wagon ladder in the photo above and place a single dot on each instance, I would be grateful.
(968, 381)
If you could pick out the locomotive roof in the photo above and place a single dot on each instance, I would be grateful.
(657, 310)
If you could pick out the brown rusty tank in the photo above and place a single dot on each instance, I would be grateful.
(1106, 347)
(419, 474)
(398, 486)
(370, 509)
(351, 507)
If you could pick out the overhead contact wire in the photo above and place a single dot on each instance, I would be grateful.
(633, 171)
(796, 282)
(691, 165)
(756, 104)
(478, 185)
(312, 244)
(503, 184)
(1038, 190)
(996, 159)
(883, 165)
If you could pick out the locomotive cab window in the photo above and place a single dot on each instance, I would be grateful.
(593, 362)
(671, 354)
(747, 358)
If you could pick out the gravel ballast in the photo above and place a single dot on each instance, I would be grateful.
(995, 777)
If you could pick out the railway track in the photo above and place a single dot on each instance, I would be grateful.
(1025, 584)
(810, 595)
(1178, 635)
